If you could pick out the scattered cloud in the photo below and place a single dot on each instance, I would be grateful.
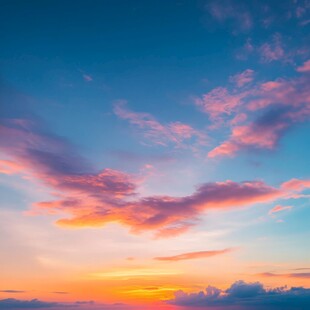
(242, 78)
(273, 50)
(12, 303)
(193, 255)
(89, 198)
(282, 104)
(176, 133)
(305, 67)
(227, 11)
(220, 102)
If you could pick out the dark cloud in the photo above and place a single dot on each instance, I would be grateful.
(12, 303)
(12, 291)
(244, 295)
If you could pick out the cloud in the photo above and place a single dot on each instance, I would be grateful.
(87, 78)
(166, 212)
(263, 133)
(56, 162)
(305, 275)
(242, 78)
(231, 12)
(272, 51)
(12, 303)
(193, 255)
(305, 67)
(296, 185)
(244, 295)
(9, 167)
(88, 198)
(12, 291)
(175, 133)
(279, 208)
(220, 102)
(280, 105)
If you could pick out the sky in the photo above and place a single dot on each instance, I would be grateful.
(155, 154)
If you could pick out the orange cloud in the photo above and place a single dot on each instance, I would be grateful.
(10, 167)
(92, 199)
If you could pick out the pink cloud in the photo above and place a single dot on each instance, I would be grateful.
(296, 185)
(278, 208)
(242, 78)
(250, 136)
(167, 215)
(239, 118)
(193, 255)
(220, 102)
(86, 198)
(177, 133)
(305, 67)
(230, 11)
(9, 167)
(273, 50)
(283, 102)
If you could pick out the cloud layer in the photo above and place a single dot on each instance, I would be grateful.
(93, 198)
(244, 295)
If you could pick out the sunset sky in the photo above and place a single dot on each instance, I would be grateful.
(155, 154)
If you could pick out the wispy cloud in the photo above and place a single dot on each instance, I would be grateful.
(304, 275)
(176, 133)
(232, 12)
(242, 78)
(193, 255)
(305, 67)
(87, 78)
(12, 291)
(279, 208)
(273, 50)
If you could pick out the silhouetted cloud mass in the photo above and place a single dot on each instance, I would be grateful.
(242, 295)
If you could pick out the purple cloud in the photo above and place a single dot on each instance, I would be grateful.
(242, 295)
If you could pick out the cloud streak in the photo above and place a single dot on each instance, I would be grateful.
(279, 208)
(174, 133)
(193, 255)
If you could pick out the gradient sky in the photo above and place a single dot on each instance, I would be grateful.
(155, 154)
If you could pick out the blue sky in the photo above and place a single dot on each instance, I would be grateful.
(155, 129)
